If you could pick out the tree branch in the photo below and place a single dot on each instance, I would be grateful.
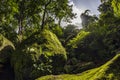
(44, 14)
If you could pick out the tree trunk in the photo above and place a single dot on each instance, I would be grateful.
(43, 19)
(20, 21)
(44, 14)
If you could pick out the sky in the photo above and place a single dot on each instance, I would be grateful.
(80, 6)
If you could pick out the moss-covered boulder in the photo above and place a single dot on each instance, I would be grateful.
(49, 50)
(41, 54)
(6, 48)
(108, 71)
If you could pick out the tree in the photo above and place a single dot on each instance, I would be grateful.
(27, 15)
(105, 6)
(7, 22)
(56, 9)
(46, 10)
(34, 15)
(87, 19)
(69, 32)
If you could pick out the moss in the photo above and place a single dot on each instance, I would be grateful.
(108, 71)
(22, 64)
(52, 44)
(49, 45)
(6, 48)
(80, 36)
(43, 55)
(116, 7)
(5, 42)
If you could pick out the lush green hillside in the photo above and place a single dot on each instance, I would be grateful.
(108, 71)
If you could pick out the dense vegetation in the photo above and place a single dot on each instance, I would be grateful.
(108, 71)
(33, 43)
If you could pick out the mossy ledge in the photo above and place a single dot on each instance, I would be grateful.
(108, 71)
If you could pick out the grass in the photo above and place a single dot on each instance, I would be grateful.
(108, 71)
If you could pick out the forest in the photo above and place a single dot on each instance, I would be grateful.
(35, 46)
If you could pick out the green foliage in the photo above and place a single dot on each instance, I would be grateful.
(105, 6)
(69, 32)
(87, 19)
(9, 33)
(7, 23)
(27, 17)
(99, 45)
(32, 26)
(57, 30)
(116, 7)
(100, 42)
(77, 40)
(7, 10)
(108, 71)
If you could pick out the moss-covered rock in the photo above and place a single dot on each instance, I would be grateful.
(22, 64)
(42, 54)
(47, 44)
(108, 71)
(6, 48)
